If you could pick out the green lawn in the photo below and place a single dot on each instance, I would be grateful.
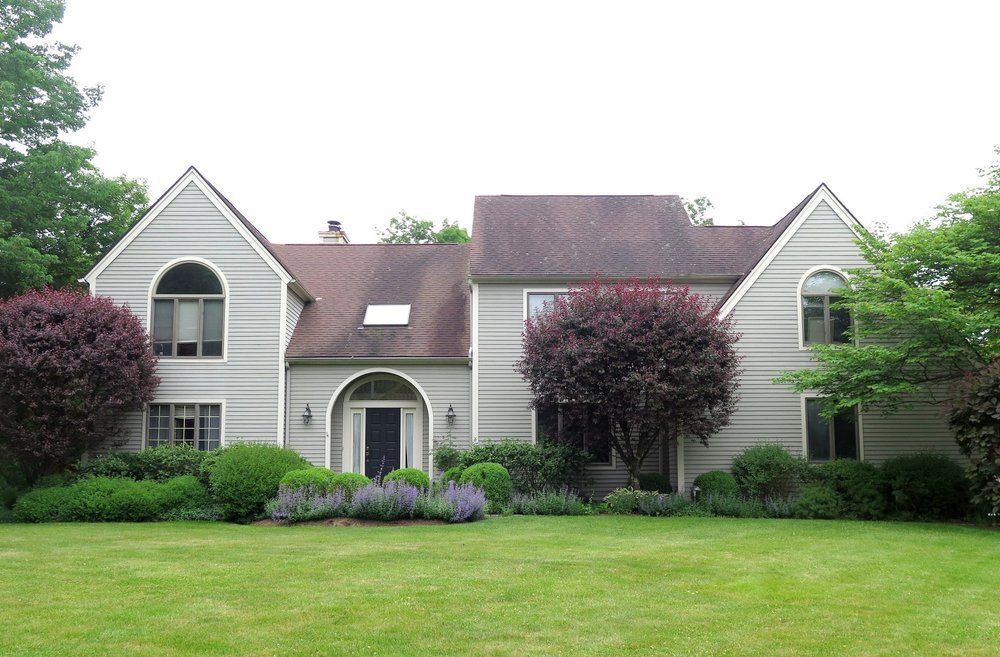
(509, 586)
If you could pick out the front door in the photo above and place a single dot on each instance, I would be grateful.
(381, 441)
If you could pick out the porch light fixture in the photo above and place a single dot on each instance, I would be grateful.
(450, 415)
(307, 415)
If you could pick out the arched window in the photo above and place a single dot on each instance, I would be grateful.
(822, 324)
(189, 312)
(383, 389)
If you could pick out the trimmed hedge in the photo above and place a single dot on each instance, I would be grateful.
(245, 476)
(350, 482)
(452, 474)
(495, 481)
(925, 486)
(717, 482)
(768, 470)
(154, 463)
(315, 480)
(412, 476)
(819, 501)
(858, 485)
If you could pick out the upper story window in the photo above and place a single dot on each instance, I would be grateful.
(189, 312)
(822, 324)
(539, 301)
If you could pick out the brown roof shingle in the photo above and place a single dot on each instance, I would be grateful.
(345, 278)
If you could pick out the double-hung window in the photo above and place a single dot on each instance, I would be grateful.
(830, 439)
(189, 313)
(821, 323)
(195, 425)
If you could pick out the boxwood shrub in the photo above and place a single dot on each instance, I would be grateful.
(925, 486)
(716, 482)
(350, 482)
(245, 476)
(412, 476)
(858, 485)
(495, 482)
(768, 470)
(820, 501)
(313, 480)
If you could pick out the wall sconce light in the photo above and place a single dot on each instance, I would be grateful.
(307, 415)
(450, 415)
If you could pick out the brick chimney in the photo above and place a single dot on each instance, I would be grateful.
(333, 234)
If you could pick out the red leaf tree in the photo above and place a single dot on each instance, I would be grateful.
(653, 362)
(70, 366)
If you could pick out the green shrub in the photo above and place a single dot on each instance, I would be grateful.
(452, 474)
(246, 475)
(210, 512)
(549, 503)
(42, 505)
(495, 481)
(350, 482)
(184, 493)
(154, 463)
(733, 506)
(768, 470)
(533, 467)
(654, 481)
(106, 499)
(818, 501)
(412, 476)
(859, 486)
(446, 457)
(622, 501)
(312, 480)
(925, 486)
(778, 507)
(208, 465)
(112, 464)
(716, 483)
(649, 503)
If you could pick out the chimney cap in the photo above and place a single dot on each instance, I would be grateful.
(333, 225)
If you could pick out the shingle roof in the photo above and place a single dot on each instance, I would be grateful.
(345, 278)
(584, 236)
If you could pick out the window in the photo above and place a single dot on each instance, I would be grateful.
(382, 389)
(587, 431)
(827, 440)
(189, 312)
(387, 315)
(822, 324)
(195, 425)
(539, 301)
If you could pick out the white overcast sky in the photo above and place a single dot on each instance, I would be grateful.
(306, 111)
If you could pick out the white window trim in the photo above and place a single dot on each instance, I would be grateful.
(803, 418)
(405, 406)
(225, 328)
(798, 297)
(221, 403)
(538, 290)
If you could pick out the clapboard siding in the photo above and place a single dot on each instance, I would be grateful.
(504, 397)
(294, 310)
(767, 318)
(315, 384)
(191, 226)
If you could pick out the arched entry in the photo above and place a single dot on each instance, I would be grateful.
(381, 415)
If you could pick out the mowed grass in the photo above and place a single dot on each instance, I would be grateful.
(508, 586)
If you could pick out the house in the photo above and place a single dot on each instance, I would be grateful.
(364, 357)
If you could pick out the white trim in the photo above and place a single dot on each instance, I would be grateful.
(805, 426)
(821, 195)
(551, 289)
(474, 428)
(190, 176)
(282, 330)
(798, 296)
(381, 370)
(221, 403)
(150, 293)
(680, 465)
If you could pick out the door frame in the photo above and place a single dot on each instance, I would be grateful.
(414, 406)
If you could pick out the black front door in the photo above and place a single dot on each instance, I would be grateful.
(381, 441)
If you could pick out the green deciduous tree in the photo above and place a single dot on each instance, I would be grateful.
(58, 213)
(407, 229)
(699, 209)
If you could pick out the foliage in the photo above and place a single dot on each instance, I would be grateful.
(818, 501)
(532, 467)
(350, 482)
(391, 500)
(155, 463)
(110, 499)
(407, 229)
(58, 213)
(495, 481)
(733, 506)
(655, 481)
(311, 480)
(716, 482)
(925, 486)
(858, 485)
(446, 457)
(467, 500)
(549, 503)
(246, 475)
(975, 417)
(648, 360)
(453, 474)
(413, 476)
(71, 366)
(622, 501)
(925, 312)
(669, 504)
(699, 211)
(307, 502)
(768, 470)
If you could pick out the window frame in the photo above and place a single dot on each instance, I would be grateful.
(528, 291)
(859, 433)
(610, 464)
(800, 309)
(172, 403)
(152, 297)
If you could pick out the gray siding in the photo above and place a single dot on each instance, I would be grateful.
(293, 311)
(316, 383)
(767, 317)
(248, 381)
(504, 398)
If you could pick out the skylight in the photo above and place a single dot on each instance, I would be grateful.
(387, 314)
